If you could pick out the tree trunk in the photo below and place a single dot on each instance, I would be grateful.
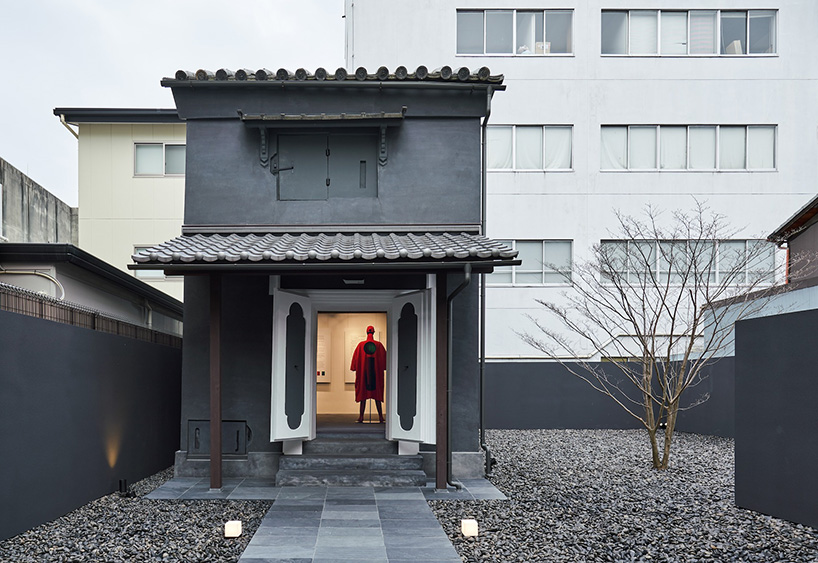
(672, 413)
(654, 447)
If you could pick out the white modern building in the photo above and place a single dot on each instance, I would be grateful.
(131, 183)
(613, 105)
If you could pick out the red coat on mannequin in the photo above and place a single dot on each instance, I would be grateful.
(369, 364)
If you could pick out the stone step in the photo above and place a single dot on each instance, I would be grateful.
(343, 463)
(352, 478)
(350, 446)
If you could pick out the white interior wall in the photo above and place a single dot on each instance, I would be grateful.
(338, 334)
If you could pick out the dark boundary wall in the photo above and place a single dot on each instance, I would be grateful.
(546, 395)
(79, 410)
(776, 416)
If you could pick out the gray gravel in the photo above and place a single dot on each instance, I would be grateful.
(592, 495)
(115, 528)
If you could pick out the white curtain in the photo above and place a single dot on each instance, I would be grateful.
(761, 148)
(470, 32)
(149, 159)
(643, 32)
(702, 33)
(531, 253)
(614, 148)
(614, 33)
(674, 33)
(529, 148)
(673, 142)
(499, 147)
(558, 148)
(499, 31)
(702, 148)
(174, 159)
(641, 148)
(732, 145)
(557, 261)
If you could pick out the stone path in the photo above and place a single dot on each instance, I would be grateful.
(340, 524)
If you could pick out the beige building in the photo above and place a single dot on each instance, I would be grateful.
(131, 183)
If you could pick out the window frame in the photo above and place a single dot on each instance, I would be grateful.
(164, 145)
(514, 270)
(147, 275)
(715, 274)
(514, 11)
(717, 167)
(717, 37)
(543, 168)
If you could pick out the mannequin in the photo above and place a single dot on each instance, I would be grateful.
(369, 363)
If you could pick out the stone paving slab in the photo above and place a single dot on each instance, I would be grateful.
(339, 524)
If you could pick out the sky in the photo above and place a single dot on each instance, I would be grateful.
(113, 53)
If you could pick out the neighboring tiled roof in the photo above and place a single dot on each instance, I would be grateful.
(442, 74)
(796, 224)
(302, 248)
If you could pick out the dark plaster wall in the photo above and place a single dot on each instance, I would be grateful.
(546, 395)
(79, 410)
(247, 356)
(465, 414)
(432, 177)
(776, 418)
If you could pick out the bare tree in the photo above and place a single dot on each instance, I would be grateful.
(659, 302)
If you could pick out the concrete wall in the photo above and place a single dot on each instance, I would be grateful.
(587, 90)
(79, 410)
(30, 213)
(776, 418)
(119, 210)
(546, 395)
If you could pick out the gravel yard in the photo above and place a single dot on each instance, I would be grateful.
(591, 495)
(115, 528)
(574, 495)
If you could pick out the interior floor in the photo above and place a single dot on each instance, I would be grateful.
(346, 424)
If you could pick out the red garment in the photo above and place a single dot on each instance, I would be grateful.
(365, 365)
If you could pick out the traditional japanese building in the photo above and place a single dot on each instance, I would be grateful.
(317, 205)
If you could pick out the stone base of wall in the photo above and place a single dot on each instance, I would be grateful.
(465, 465)
(258, 465)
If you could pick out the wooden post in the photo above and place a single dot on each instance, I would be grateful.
(442, 380)
(215, 382)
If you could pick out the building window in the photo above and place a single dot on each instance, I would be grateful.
(687, 147)
(529, 147)
(159, 159)
(727, 261)
(514, 32)
(693, 32)
(544, 262)
(147, 274)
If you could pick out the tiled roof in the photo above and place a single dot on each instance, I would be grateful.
(361, 74)
(314, 248)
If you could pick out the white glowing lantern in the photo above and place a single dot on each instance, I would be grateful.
(232, 529)
(469, 527)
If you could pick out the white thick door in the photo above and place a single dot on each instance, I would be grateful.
(292, 415)
(411, 370)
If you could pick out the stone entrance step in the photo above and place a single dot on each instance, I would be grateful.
(351, 460)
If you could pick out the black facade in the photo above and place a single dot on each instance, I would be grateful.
(294, 185)
(776, 418)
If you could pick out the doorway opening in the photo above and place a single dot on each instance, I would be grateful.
(337, 336)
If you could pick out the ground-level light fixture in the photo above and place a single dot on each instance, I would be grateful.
(469, 527)
(232, 529)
